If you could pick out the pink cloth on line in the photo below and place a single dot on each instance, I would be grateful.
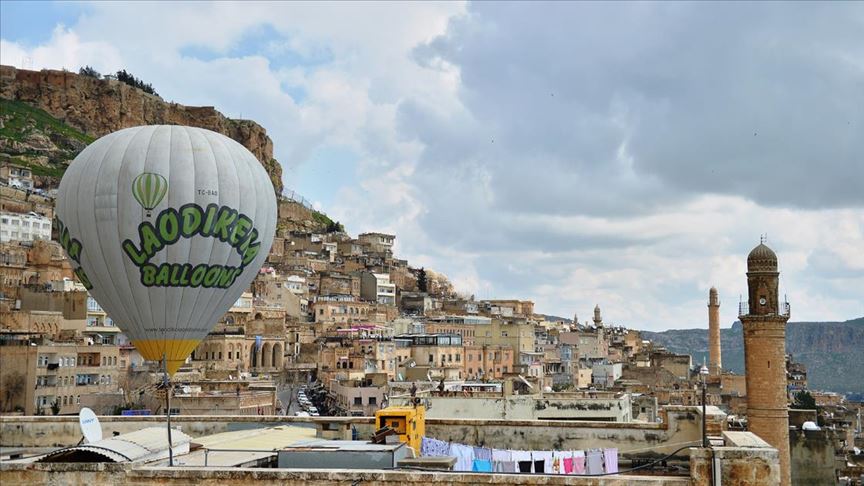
(578, 463)
(568, 465)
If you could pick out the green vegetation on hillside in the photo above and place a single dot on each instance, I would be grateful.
(126, 77)
(38, 141)
(325, 221)
(21, 119)
(38, 170)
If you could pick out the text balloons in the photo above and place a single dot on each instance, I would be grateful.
(166, 226)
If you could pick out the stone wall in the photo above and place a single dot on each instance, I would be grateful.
(117, 474)
(528, 407)
(634, 440)
(812, 453)
(744, 460)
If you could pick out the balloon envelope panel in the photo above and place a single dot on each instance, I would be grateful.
(166, 226)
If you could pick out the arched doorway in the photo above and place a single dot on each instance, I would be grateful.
(276, 361)
(253, 356)
(266, 354)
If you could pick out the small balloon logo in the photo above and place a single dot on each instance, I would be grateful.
(149, 189)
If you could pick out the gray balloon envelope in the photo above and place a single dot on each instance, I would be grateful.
(166, 226)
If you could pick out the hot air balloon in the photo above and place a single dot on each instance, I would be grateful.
(166, 226)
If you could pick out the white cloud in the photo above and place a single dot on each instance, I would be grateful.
(65, 50)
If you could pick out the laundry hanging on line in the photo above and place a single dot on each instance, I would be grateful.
(484, 459)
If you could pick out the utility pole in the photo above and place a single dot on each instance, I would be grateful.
(166, 383)
(703, 371)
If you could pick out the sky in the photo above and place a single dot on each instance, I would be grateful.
(622, 154)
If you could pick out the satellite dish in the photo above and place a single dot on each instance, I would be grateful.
(90, 427)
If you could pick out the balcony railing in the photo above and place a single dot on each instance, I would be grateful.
(744, 309)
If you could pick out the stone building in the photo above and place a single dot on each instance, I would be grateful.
(55, 372)
(764, 318)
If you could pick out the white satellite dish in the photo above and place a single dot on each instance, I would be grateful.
(90, 426)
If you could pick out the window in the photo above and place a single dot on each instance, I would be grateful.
(42, 360)
(458, 358)
(358, 400)
(373, 401)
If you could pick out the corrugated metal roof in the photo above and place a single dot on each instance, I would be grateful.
(271, 438)
(245, 446)
(130, 447)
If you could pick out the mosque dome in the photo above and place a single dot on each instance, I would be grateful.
(762, 258)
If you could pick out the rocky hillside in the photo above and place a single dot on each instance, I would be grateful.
(84, 108)
(33, 138)
(830, 350)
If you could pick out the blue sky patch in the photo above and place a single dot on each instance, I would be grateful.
(31, 23)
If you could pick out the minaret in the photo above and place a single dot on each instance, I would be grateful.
(714, 357)
(598, 320)
(764, 318)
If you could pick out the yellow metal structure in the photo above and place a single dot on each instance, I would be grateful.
(409, 423)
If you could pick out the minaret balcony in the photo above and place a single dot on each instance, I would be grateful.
(744, 309)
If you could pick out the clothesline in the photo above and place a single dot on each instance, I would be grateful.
(665, 446)
(484, 459)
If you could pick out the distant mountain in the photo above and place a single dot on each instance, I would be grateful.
(831, 351)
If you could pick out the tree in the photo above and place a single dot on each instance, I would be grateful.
(804, 400)
(90, 72)
(13, 387)
(55, 407)
(131, 80)
(422, 282)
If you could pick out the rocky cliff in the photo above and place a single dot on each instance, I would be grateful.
(830, 350)
(96, 107)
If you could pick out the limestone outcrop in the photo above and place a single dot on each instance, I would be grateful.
(100, 106)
